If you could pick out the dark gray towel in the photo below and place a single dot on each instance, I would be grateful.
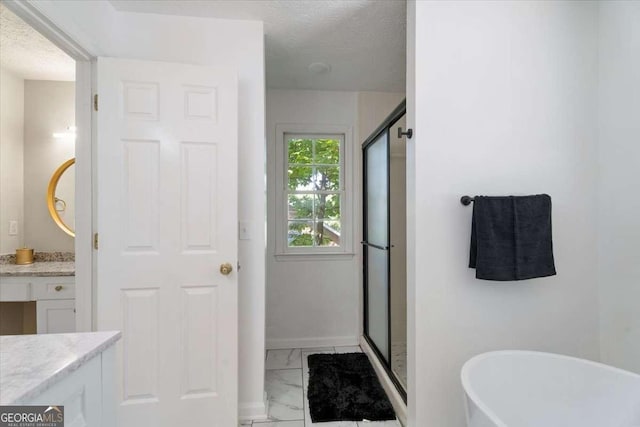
(511, 237)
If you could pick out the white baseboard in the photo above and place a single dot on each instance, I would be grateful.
(389, 387)
(254, 410)
(273, 344)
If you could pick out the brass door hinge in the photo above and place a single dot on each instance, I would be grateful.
(95, 241)
(95, 102)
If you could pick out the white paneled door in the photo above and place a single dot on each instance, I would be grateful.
(167, 222)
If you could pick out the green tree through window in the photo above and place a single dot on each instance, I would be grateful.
(313, 191)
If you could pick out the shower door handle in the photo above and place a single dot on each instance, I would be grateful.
(382, 248)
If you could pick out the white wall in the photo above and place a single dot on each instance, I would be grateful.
(103, 31)
(619, 161)
(505, 103)
(373, 108)
(11, 159)
(48, 107)
(318, 302)
(310, 303)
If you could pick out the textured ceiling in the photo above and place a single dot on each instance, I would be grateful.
(363, 41)
(28, 54)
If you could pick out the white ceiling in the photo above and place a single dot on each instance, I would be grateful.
(28, 54)
(363, 41)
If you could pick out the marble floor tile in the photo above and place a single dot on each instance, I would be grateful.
(399, 361)
(283, 359)
(308, 423)
(284, 390)
(287, 379)
(298, 423)
(349, 349)
(394, 423)
(318, 350)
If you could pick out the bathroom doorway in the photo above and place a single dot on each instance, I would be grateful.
(385, 247)
(69, 132)
(37, 151)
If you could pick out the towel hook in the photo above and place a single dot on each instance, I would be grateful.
(466, 200)
(408, 133)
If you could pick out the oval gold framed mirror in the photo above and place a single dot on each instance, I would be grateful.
(60, 197)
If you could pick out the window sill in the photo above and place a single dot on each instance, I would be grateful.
(338, 256)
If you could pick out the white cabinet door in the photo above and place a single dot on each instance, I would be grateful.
(81, 394)
(167, 218)
(56, 316)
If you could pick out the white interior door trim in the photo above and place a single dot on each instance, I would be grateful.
(85, 82)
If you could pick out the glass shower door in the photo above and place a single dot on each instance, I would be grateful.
(376, 243)
(384, 246)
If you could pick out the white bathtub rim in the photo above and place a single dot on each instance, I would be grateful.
(473, 396)
(470, 392)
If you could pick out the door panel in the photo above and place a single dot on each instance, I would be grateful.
(56, 316)
(378, 298)
(167, 217)
(377, 190)
(376, 218)
(398, 251)
(384, 246)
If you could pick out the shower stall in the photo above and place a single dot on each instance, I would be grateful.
(384, 246)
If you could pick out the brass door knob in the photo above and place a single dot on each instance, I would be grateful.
(226, 268)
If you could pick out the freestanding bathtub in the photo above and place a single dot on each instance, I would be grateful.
(532, 389)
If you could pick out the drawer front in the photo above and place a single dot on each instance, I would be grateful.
(15, 290)
(54, 288)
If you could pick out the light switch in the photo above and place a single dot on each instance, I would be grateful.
(244, 230)
(13, 228)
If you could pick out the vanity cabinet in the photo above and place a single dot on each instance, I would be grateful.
(55, 316)
(80, 393)
(54, 297)
(74, 370)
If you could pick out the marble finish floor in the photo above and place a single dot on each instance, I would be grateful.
(399, 362)
(286, 382)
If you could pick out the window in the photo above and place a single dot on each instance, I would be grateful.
(314, 210)
(313, 190)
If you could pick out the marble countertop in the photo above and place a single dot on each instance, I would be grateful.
(39, 268)
(30, 364)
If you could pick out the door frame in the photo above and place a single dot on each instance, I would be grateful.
(85, 142)
(383, 128)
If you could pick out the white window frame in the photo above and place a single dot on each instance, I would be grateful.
(283, 251)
